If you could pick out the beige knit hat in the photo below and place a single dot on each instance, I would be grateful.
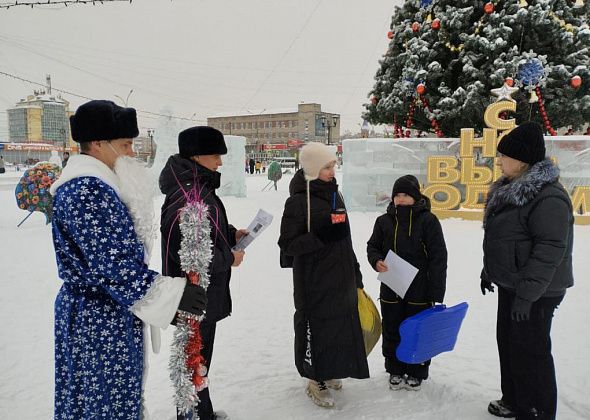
(313, 157)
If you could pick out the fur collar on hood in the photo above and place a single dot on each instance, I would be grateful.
(522, 190)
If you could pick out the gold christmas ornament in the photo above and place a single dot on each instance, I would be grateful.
(523, 3)
(429, 18)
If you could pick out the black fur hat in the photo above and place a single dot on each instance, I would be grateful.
(524, 143)
(407, 184)
(199, 141)
(103, 120)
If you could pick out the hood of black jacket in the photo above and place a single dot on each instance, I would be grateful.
(180, 171)
(418, 207)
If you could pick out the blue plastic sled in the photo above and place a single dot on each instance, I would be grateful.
(430, 332)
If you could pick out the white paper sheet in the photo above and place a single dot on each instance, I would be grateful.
(261, 221)
(399, 274)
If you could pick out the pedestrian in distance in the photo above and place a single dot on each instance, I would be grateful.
(65, 158)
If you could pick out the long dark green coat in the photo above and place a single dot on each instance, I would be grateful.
(328, 337)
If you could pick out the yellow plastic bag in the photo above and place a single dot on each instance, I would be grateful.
(370, 320)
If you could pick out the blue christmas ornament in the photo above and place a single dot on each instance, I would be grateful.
(425, 3)
(531, 72)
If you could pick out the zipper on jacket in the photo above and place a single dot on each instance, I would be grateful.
(396, 226)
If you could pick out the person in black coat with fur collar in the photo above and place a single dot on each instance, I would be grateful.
(414, 233)
(528, 241)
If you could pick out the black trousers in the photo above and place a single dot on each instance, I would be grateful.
(526, 364)
(393, 313)
(205, 408)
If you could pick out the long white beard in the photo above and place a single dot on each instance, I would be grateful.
(137, 192)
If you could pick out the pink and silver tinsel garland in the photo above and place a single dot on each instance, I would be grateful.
(187, 369)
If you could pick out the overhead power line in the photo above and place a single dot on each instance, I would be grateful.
(67, 92)
(32, 4)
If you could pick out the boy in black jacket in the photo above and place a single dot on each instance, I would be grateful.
(411, 231)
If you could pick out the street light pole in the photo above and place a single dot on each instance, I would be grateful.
(126, 99)
(150, 134)
(333, 122)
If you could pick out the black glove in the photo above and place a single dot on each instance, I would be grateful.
(521, 309)
(194, 299)
(486, 285)
(333, 232)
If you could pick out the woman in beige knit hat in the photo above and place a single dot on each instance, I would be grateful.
(315, 241)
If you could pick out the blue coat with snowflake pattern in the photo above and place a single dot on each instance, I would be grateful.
(98, 341)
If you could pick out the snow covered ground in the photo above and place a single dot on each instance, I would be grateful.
(253, 375)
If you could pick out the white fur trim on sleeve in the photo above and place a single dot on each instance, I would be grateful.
(160, 303)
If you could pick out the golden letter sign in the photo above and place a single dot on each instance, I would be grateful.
(469, 176)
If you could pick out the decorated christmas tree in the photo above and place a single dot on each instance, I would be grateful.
(446, 56)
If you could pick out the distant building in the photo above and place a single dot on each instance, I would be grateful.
(280, 129)
(37, 126)
(40, 118)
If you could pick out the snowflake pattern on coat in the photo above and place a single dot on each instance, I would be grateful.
(98, 341)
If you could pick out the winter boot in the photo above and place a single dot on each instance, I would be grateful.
(499, 408)
(320, 394)
(396, 382)
(334, 384)
(412, 384)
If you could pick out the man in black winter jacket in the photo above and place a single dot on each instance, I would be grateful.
(194, 171)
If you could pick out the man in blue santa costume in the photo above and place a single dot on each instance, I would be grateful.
(102, 231)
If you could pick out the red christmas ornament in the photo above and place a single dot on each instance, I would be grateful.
(408, 133)
(415, 26)
(390, 34)
(435, 24)
(374, 100)
(576, 82)
(488, 8)
(421, 88)
(509, 81)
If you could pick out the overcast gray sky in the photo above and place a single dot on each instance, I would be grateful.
(199, 57)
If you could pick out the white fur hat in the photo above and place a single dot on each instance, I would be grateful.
(313, 157)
